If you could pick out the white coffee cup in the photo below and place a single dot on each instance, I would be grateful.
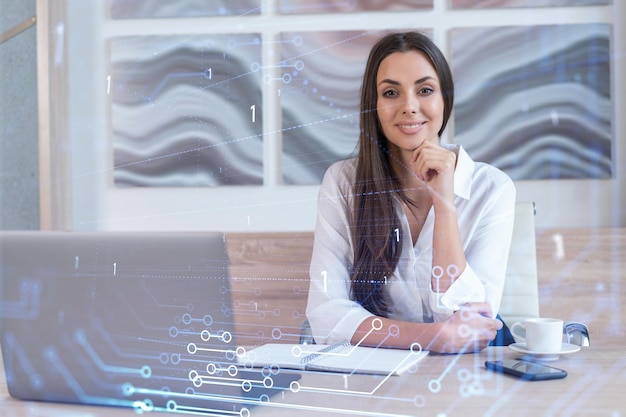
(542, 335)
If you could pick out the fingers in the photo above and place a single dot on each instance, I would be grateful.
(480, 308)
(429, 161)
(471, 328)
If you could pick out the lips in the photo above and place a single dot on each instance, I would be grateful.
(410, 127)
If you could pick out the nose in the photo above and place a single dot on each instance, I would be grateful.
(410, 104)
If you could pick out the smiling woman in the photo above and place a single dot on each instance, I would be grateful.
(410, 109)
(404, 253)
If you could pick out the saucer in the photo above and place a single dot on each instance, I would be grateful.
(544, 356)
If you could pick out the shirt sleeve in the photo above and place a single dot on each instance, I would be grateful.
(333, 315)
(486, 252)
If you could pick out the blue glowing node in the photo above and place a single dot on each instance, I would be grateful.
(211, 368)
(171, 405)
(434, 386)
(419, 401)
(143, 406)
(146, 371)
(205, 335)
(246, 385)
(416, 348)
(128, 389)
(276, 333)
(294, 386)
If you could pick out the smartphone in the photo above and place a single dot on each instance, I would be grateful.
(530, 371)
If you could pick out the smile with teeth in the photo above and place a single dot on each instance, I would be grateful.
(410, 126)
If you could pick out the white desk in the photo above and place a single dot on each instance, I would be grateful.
(443, 386)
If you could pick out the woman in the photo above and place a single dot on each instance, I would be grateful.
(412, 236)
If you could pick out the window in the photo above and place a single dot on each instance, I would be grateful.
(224, 115)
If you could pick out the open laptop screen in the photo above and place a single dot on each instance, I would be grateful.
(139, 320)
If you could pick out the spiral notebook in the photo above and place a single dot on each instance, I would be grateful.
(340, 357)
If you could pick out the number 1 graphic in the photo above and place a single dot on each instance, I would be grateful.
(253, 110)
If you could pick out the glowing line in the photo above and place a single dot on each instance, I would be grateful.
(211, 146)
(207, 380)
(364, 337)
(351, 411)
(452, 363)
(361, 392)
(242, 400)
(108, 368)
(185, 409)
(22, 358)
(54, 359)
(216, 350)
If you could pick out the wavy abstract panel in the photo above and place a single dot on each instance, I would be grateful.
(319, 95)
(335, 6)
(186, 110)
(535, 100)
(484, 4)
(141, 9)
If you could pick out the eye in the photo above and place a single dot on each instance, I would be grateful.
(425, 91)
(390, 93)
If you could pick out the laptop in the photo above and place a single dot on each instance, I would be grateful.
(139, 320)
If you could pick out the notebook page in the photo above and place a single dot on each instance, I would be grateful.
(365, 360)
(287, 356)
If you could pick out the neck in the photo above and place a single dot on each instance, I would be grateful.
(412, 188)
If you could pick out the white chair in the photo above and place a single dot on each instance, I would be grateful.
(520, 298)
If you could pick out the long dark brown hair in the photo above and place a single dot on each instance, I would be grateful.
(375, 226)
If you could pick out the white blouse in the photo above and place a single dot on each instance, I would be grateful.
(485, 206)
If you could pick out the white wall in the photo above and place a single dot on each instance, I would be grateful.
(97, 205)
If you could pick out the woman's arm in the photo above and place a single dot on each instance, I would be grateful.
(332, 314)
(435, 166)
(472, 229)
(467, 330)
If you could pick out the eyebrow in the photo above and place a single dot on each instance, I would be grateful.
(393, 82)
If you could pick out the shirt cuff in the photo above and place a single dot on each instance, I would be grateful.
(466, 288)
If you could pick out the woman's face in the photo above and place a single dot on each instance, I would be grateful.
(410, 102)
